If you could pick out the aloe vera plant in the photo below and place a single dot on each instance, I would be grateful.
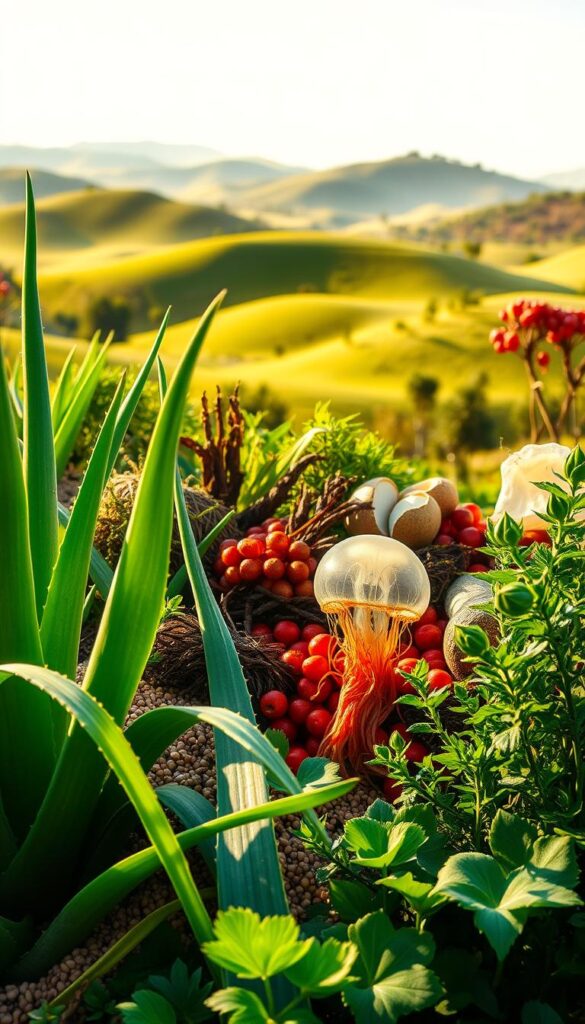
(81, 765)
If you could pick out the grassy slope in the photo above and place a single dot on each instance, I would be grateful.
(109, 224)
(267, 264)
(566, 268)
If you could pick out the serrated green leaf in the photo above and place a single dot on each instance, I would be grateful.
(378, 845)
(419, 895)
(324, 967)
(147, 1008)
(391, 967)
(243, 1006)
(253, 947)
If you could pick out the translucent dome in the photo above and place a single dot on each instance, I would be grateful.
(373, 572)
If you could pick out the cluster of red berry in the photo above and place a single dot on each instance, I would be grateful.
(316, 662)
(527, 321)
(269, 557)
(5, 286)
(314, 659)
(466, 525)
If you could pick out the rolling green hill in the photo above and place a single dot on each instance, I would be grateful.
(565, 268)
(113, 223)
(45, 184)
(391, 187)
(267, 264)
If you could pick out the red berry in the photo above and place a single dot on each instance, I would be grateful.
(251, 547)
(443, 540)
(286, 632)
(322, 644)
(232, 575)
(403, 685)
(392, 789)
(462, 517)
(312, 746)
(218, 567)
(415, 750)
(324, 690)
(298, 710)
(477, 567)
(315, 667)
(231, 542)
(276, 526)
(472, 537)
(273, 704)
(438, 678)
(307, 689)
(409, 652)
(255, 531)
(428, 636)
(311, 631)
(299, 550)
(312, 563)
(294, 661)
(286, 726)
(274, 568)
(295, 758)
(429, 616)
(277, 544)
(543, 359)
(231, 556)
(511, 341)
(302, 646)
(305, 589)
(433, 654)
(262, 629)
(250, 569)
(317, 722)
(333, 702)
(474, 509)
(442, 624)
(297, 572)
(447, 528)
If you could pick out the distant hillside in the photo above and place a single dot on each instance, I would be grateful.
(266, 264)
(537, 220)
(45, 183)
(390, 187)
(124, 219)
(567, 179)
(192, 173)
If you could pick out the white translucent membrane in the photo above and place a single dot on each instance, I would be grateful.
(376, 573)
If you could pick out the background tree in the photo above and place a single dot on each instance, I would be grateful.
(423, 393)
(105, 315)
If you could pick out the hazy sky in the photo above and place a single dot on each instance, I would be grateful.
(316, 82)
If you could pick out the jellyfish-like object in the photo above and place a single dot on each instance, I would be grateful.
(371, 588)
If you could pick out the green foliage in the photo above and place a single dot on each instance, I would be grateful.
(469, 422)
(178, 998)
(522, 735)
(107, 315)
(254, 948)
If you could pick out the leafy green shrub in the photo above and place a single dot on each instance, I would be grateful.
(522, 737)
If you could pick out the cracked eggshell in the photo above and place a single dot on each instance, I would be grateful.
(382, 494)
(441, 489)
(415, 520)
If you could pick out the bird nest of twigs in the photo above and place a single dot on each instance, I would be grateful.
(443, 565)
(178, 659)
(245, 606)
